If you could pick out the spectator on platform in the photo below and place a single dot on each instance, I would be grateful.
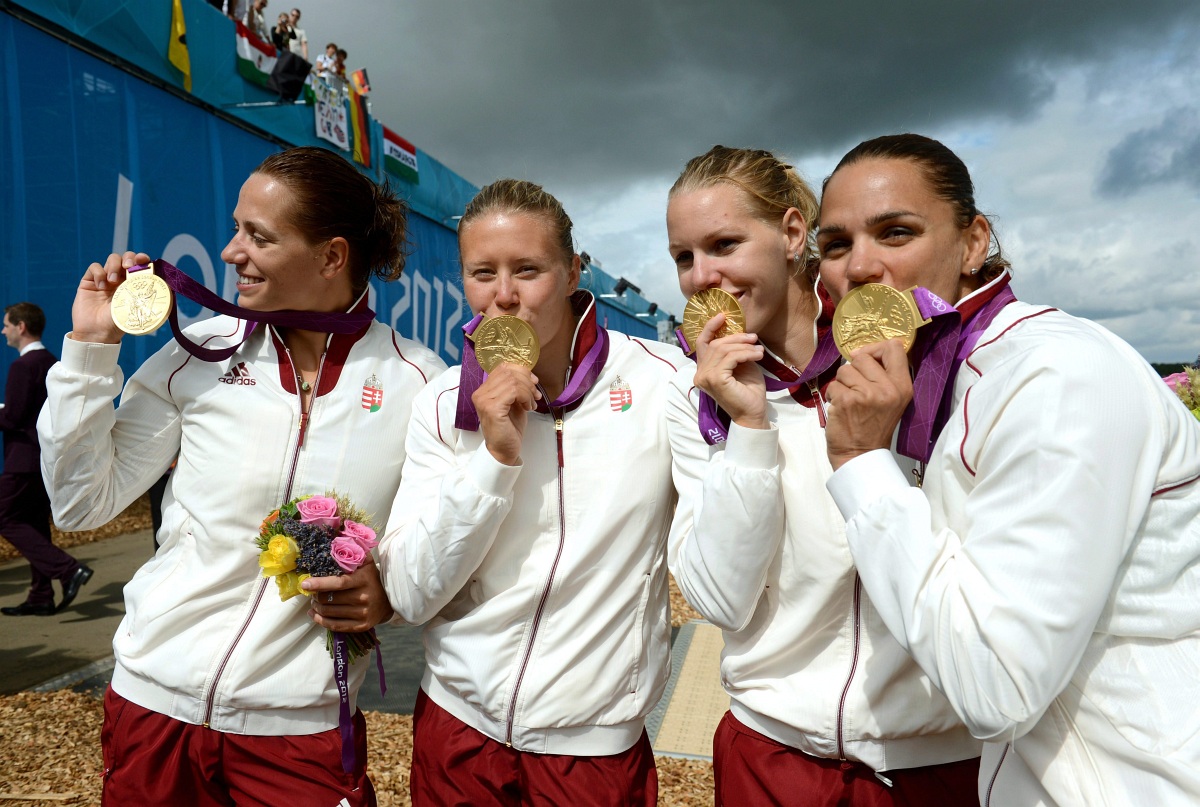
(236, 9)
(282, 34)
(326, 61)
(299, 42)
(339, 64)
(256, 20)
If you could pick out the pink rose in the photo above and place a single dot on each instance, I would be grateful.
(363, 535)
(1175, 379)
(347, 553)
(319, 510)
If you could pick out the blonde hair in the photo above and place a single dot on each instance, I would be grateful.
(521, 196)
(771, 187)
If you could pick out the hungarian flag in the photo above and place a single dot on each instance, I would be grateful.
(177, 50)
(360, 81)
(360, 128)
(399, 157)
(255, 58)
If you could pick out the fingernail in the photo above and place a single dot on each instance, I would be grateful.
(112, 277)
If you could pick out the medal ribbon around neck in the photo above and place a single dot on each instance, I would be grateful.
(471, 376)
(940, 349)
(714, 422)
(342, 322)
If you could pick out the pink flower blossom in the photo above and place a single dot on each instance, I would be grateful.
(1175, 379)
(319, 510)
(347, 553)
(363, 535)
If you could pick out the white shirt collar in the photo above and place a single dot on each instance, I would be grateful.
(33, 346)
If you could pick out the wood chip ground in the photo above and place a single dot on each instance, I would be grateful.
(51, 755)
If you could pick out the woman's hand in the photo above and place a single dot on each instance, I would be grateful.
(867, 400)
(503, 402)
(91, 317)
(350, 603)
(726, 370)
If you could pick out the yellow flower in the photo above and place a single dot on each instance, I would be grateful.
(289, 585)
(279, 556)
(304, 591)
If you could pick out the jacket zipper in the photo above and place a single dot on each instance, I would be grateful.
(537, 616)
(853, 667)
(262, 587)
(988, 798)
(815, 390)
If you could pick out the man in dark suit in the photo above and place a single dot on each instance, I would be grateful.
(24, 505)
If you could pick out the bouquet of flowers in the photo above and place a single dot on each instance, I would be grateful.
(1187, 386)
(317, 536)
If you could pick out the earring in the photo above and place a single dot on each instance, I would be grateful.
(975, 271)
(796, 257)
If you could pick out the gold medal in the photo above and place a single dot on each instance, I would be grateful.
(706, 304)
(505, 339)
(142, 303)
(875, 313)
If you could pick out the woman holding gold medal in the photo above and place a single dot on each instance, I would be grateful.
(826, 705)
(1046, 574)
(223, 693)
(529, 534)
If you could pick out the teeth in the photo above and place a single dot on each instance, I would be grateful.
(249, 281)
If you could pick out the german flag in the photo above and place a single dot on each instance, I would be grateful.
(360, 128)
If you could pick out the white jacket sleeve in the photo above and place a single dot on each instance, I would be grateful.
(96, 460)
(446, 514)
(997, 598)
(729, 520)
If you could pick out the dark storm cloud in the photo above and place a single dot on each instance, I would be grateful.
(580, 91)
(1167, 152)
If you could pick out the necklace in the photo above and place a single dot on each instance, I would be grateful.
(302, 384)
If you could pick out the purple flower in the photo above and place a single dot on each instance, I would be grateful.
(347, 553)
(319, 510)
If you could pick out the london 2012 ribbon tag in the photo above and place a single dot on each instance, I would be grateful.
(505, 339)
(875, 313)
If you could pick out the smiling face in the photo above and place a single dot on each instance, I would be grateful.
(513, 264)
(717, 242)
(881, 222)
(278, 268)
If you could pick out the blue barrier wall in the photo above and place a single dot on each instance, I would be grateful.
(95, 158)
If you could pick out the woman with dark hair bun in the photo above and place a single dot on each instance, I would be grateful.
(223, 693)
(1046, 573)
(825, 706)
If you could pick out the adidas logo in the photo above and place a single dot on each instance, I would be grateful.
(238, 374)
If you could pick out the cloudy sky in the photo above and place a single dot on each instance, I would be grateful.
(1080, 121)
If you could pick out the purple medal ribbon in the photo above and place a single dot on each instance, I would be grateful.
(941, 348)
(343, 322)
(714, 422)
(471, 376)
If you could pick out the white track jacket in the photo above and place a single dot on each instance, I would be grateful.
(759, 548)
(205, 638)
(543, 587)
(1046, 576)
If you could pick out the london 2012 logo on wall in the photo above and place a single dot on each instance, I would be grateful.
(372, 397)
(620, 396)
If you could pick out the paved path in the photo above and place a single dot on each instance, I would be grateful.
(74, 648)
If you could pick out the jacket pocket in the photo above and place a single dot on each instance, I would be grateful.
(639, 635)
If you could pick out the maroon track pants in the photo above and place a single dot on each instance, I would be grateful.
(454, 764)
(751, 768)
